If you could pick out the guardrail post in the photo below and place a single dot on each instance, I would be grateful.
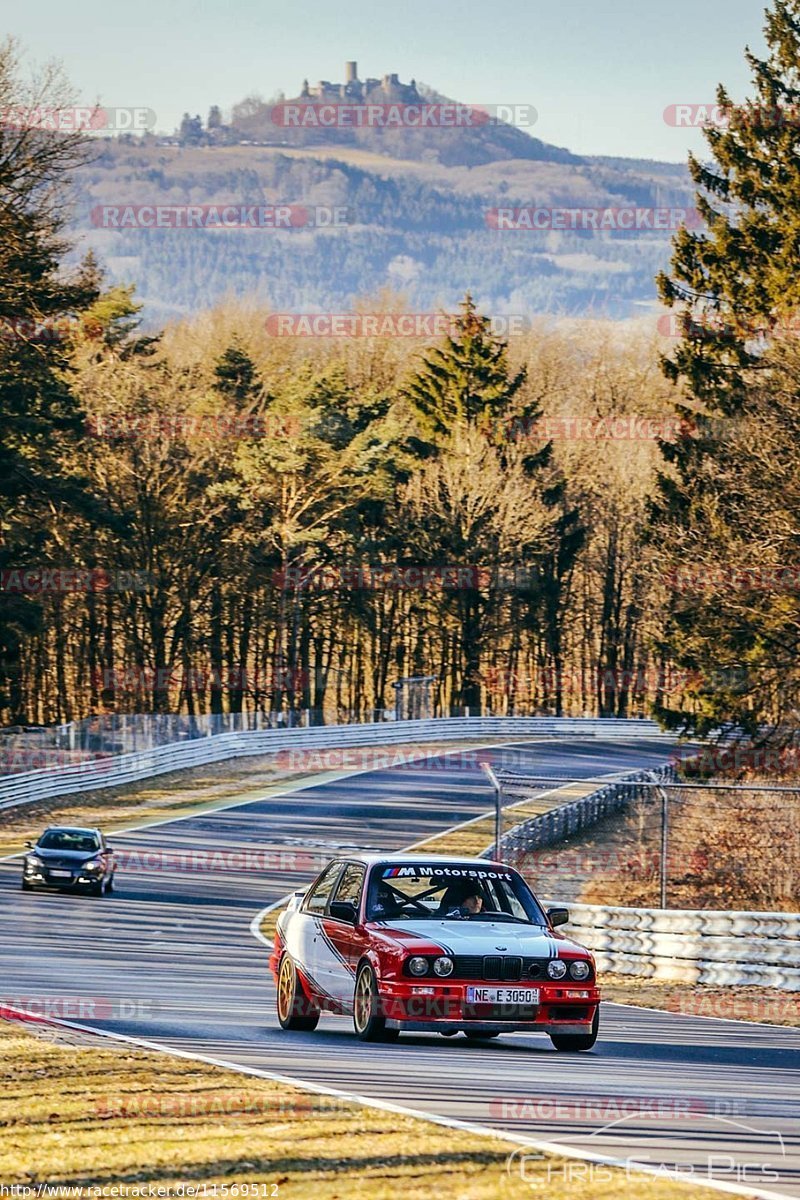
(498, 799)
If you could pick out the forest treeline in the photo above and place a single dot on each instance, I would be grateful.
(298, 523)
(218, 518)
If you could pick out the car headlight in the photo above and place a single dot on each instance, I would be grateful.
(94, 864)
(580, 969)
(556, 969)
(443, 966)
(33, 861)
(418, 966)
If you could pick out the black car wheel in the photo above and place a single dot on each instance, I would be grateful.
(368, 1020)
(577, 1041)
(295, 1010)
(27, 887)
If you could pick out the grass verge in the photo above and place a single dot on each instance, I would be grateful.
(87, 1116)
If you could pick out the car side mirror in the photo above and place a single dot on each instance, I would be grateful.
(29, 845)
(343, 910)
(558, 916)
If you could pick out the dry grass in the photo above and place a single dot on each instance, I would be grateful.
(722, 854)
(763, 1005)
(85, 1116)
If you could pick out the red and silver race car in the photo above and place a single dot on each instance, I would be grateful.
(405, 942)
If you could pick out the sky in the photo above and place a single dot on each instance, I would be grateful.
(600, 73)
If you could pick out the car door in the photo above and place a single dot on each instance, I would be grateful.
(343, 933)
(306, 940)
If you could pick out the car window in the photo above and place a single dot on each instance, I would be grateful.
(445, 891)
(318, 898)
(64, 839)
(351, 883)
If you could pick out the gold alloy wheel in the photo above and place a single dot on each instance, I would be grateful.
(286, 988)
(362, 1001)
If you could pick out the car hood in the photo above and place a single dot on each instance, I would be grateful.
(65, 858)
(477, 937)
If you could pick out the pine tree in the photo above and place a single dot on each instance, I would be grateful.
(736, 286)
(742, 275)
(467, 379)
(235, 375)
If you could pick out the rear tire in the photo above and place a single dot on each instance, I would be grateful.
(571, 1042)
(368, 1020)
(295, 1010)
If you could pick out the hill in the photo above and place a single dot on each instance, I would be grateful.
(419, 209)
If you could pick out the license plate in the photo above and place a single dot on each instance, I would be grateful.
(56, 874)
(502, 995)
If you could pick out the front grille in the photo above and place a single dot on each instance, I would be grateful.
(495, 967)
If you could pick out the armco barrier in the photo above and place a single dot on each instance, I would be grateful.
(130, 768)
(702, 946)
(562, 822)
(693, 946)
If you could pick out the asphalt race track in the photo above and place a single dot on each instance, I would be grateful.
(170, 959)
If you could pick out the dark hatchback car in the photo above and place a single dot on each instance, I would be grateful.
(73, 859)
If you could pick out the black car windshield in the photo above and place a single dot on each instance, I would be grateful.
(66, 839)
(451, 891)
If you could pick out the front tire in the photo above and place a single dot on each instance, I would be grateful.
(571, 1042)
(295, 1010)
(368, 1020)
(27, 887)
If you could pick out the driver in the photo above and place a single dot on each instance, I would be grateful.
(470, 906)
(385, 904)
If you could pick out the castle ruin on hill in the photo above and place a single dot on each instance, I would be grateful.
(356, 90)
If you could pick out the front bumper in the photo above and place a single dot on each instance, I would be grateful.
(79, 879)
(440, 1008)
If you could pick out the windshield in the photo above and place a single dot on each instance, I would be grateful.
(451, 892)
(64, 839)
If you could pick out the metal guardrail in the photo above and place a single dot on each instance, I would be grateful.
(566, 820)
(694, 946)
(111, 771)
